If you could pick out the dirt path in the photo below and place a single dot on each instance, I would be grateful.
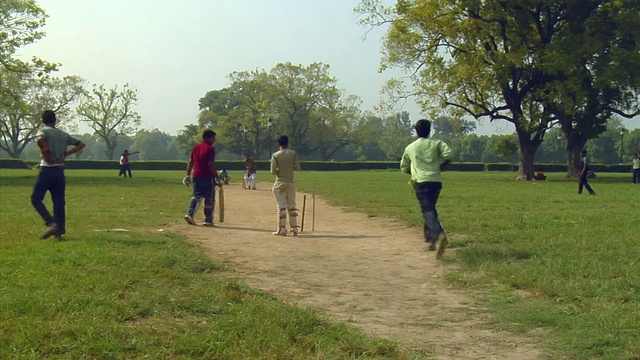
(371, 272)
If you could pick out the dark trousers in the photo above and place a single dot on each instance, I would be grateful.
(50, 179)
(125, 168)
(583, 183)
(636, 176)
(202, 189)
(427, 194)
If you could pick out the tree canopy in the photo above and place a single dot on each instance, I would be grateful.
(505, 60)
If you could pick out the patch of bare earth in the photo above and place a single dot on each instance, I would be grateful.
(373, 273)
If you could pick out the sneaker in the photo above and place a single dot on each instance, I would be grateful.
(51, 230)
(207, 223)
(189, 219)
(281, 232)
(432, 246)
(293, 232)
(58, 237)
(443, 245)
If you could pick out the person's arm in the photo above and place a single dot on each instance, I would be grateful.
(583, 170)
(212, 167)
(135, 152)
(44, 149)
(273, 166)
(189, 167)
(79, 145)
(445, 150)
(405, 163)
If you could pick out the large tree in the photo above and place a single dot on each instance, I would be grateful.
(492, 59)
(20, 23)
(300, 101)
(597, 72)
(28, 95)
(109, 112)
(396, 135)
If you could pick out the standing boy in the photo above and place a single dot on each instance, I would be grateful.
(283, 163)
(53, 144)
(124, 163)
(424, 159)
(202, 163)
(250, 176)
(584, 170)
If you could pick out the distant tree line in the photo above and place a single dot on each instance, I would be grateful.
(466, 146)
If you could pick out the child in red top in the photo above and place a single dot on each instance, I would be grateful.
(202, 166)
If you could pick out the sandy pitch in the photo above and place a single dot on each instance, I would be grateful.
(373, 273)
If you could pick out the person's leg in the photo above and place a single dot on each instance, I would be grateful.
(588, 187)
(194, 202)
(279, 193)
(581, 182)
(254, 180)
(292, 208)
(129, 170)
(209, 200)
(427, 194)
(245, 178)
(58, 190)
(636, 176)
(121, 170)
(39, 190)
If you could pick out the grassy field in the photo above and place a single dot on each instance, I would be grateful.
(142, 293)
(537, 255)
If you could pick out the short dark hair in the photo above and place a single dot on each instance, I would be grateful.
(208, 134)
(283, 140)
(48, 117)
(423, 128)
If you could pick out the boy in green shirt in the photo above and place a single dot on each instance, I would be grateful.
(424, 159)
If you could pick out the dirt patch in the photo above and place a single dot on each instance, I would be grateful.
(372, 272)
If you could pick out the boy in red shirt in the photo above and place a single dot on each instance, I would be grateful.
(202, 163)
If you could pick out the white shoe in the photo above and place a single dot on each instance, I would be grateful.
(281, 232)
(207, 223)
(189, 219)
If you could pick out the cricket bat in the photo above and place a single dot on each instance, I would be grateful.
(221, 205)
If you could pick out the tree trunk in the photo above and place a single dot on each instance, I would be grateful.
(575, 144)
(526, 155)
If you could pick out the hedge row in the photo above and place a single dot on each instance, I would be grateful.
(306, 165)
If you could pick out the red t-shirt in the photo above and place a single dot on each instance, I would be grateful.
(202, 154)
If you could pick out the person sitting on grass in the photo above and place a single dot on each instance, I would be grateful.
(540, 175)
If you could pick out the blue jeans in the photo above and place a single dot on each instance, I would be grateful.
(202, 189)
(50, 179)
(427, 194)
(124, 168)
(636, 176)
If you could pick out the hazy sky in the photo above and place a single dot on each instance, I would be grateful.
(173, 52)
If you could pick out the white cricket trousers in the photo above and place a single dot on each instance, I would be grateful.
(285, 195)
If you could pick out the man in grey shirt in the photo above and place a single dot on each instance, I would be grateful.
(53, 144)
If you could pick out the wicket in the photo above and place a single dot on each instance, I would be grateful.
(304, 205)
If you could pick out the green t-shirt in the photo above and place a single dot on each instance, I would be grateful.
(57, 141)
(422, 159)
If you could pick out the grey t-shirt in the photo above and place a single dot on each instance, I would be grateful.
(57, 141)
